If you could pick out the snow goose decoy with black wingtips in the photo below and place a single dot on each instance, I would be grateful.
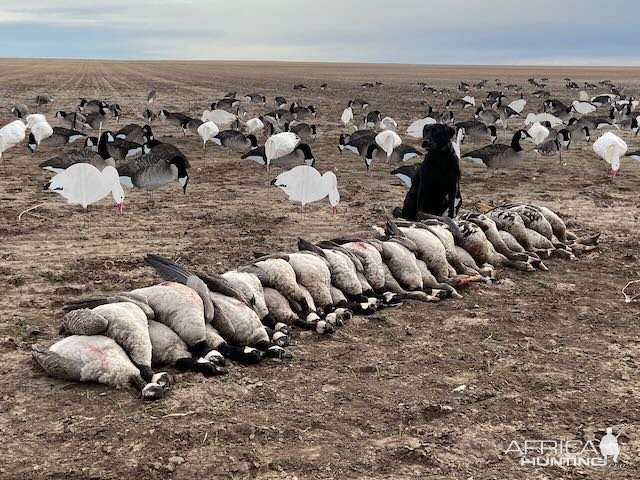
(207, 131)
(83, 184)
(94, 358)
(388, 140)
(499, 155)
(279, 145)
(306, 185)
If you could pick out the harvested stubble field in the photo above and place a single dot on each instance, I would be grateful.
(545, 355)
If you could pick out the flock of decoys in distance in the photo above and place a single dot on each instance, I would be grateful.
(142, 161)
(197, 320)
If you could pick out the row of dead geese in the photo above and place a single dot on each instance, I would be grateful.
(194, 321)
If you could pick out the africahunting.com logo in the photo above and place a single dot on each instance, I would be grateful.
(568, 453)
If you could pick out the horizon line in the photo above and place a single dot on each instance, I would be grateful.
(332, 62)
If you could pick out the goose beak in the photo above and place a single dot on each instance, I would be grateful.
(120, 208)
(614, 173)
(334, 210)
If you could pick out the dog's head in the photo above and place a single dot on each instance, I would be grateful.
(437, 136)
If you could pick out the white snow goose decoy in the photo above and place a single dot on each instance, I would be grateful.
(304, 184)
(610, 147)
(83, 184)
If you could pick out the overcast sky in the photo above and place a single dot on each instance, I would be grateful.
(398, 31)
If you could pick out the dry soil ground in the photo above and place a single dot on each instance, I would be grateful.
(545, 355)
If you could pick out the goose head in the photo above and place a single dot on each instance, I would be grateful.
(152, 391)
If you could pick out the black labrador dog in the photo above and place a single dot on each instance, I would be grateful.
(435, 187)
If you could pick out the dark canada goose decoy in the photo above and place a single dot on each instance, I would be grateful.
(372, 118)
(280, 102)
(235, 140)
(301, 155)
(116, 111)
(477, 130)
(192, 126)
(400, 154)
(324, 86)
(152, 171)
(487, 116)
(405, 173)
(94, 358)
(92, 106)
(300, 112)
(20, 110)
(299, 87)
(73, 120)
(457, 104)
(121, 149)
(149, 115)
(60, 136)
(98, 119)
(43, 99)
(306, 132)
(99, 159)
(549, 148)
(135, 133)
(592, 122)
(499, 155)
(230, 95)
(227, 104)
(151, 96)
(358, 142)
(358, 104)
(256, 98)
(175, 119)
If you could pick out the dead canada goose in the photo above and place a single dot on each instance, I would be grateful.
(168, 349)
(94, 358)
(126, 324)
(233, 318)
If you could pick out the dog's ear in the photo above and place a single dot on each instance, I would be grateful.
(450, 132)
